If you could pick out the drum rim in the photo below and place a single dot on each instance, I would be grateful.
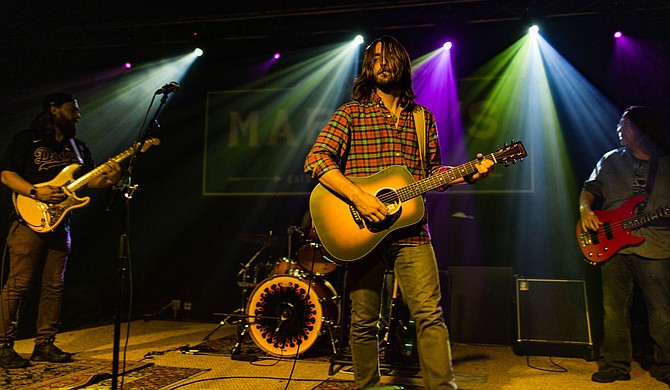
(320, 314)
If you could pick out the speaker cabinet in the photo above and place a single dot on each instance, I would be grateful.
(552, 318)
(479, 304)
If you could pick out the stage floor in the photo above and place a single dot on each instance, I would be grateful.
(166, 343)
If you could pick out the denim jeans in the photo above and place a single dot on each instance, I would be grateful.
(619, 276)
(28, 252)
(415, 268)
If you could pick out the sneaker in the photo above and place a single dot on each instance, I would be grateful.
(9, 358)
(48, 352)
(610, 374)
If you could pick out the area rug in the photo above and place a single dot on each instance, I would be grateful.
(59, 376)
(153, 377)
(93, 374)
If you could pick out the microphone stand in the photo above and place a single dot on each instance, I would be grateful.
(124, 187)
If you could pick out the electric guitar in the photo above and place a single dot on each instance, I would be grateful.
(45, 217)
(348, 237)
(615, 234)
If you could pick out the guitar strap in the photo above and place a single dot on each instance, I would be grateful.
(653, 168)
(76, 151)
(420, 124)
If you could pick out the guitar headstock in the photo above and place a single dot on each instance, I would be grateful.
(151, 141)
(510, 153)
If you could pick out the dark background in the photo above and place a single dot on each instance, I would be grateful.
(187, 246)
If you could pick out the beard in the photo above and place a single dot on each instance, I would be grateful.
(67, 127)
(386, 80)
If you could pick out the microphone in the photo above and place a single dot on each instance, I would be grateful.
(169, 88)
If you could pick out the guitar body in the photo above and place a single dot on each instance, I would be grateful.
(45, 217)
(614, 235)
(343, 232)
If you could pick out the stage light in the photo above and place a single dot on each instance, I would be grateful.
(617, 34)
(358, 40)
(127, 65)
(276, 56)
(198, 52)
(447, 46)
(534, 29)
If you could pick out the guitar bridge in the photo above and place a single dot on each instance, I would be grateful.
(357, 217)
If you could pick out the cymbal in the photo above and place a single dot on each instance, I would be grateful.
(263, 239)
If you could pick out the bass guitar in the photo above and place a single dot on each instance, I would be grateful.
(600, 245)
(348, 237)
(45, 217)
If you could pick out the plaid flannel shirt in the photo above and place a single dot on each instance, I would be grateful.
(363, 138)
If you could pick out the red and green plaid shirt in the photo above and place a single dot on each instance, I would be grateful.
(361, 139)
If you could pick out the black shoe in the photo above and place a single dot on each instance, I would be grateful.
(610, 374)
(48, 352)
(9, 358)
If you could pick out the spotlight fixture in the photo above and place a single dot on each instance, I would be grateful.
(127, 65)
(447, 46)
(617, 34)
(276, 56)
(534, 29)
(198, 52)
(358, 40)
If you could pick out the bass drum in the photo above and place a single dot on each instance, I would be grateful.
(285, 319)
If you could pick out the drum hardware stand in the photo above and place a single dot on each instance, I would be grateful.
(244, 272)
(337, 358)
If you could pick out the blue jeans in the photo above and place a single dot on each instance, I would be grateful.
(415, 268)
(28, 252)
(619, 276)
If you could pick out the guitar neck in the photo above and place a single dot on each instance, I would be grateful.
(440, 179)
(97, 171)
(645, 218)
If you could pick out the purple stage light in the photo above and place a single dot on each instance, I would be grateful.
(276, 56)
(617, 34)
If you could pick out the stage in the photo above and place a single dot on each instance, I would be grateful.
(175, 349)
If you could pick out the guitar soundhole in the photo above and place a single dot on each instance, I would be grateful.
(390, 198)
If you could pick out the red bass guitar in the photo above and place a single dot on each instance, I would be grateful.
(615, 233)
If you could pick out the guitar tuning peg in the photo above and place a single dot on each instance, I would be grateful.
(506, 164)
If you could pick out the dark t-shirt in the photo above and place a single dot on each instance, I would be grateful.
(38, 157)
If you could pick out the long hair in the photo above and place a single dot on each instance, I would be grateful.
(397, 59)
(43, 121)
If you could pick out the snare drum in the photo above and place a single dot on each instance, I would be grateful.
(286, 266)
(284, 319)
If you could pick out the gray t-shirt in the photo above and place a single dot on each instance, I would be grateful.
(619, 176)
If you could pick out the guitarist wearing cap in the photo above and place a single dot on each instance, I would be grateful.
(367, 136)
(633, 179)
(34, 157)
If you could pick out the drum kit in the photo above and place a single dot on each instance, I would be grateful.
(292, 305)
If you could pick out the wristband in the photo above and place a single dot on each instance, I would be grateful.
(33, 193)
(468, 179)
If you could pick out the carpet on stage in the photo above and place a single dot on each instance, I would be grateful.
(93, 373)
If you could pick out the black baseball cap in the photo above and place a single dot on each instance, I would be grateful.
(57, 99)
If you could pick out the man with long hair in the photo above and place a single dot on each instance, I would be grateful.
(641, 166)
(373, 132)
(35, 156)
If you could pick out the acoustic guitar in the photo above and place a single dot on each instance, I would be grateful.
(348, 237)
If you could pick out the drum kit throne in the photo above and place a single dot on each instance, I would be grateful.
(292, 306)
